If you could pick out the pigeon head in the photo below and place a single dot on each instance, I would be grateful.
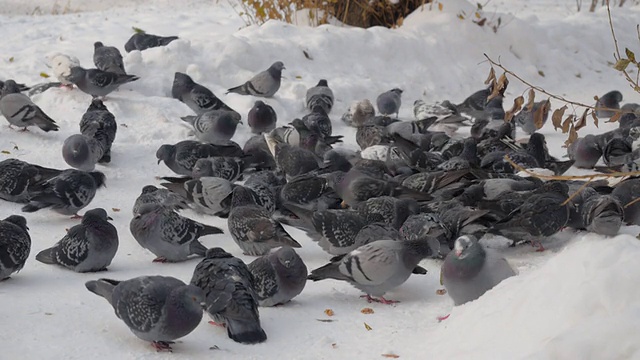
(467, 246)
(97, 104)
(97, 45)
(611, 99)
(99, 178)
(286, 256)
(188, 298)
(18, 220)
(259, 104)
(276, 69)
(323, 82)
(95, 214)
(149, 189)
(397, 91)
(148, 209)
(217, 253)
(242, 196)
(76, 74)
(76, 152)
(10, 87)
(165, 152)
(182, 79)
(538, 148)
(298, 124)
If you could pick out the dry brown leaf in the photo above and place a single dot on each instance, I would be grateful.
(329, 312)
(573, 136)
(583, 120)
(491, 78)
(541, 114)
(566, 125)
(594, 117)
(367, 311)
(482, 22)
(615, 117)
(440, 6)
(115, 209)
(531, 98)
(556, 118)
(391, 356)
(366, 326)
(441, 291)
(5, 152)
(334, 345)
(498, 87)
(517, 105)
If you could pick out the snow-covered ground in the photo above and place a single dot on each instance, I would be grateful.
(578, 300)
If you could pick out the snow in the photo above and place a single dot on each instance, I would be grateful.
(577, 300)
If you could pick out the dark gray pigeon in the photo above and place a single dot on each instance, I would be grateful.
(278, 276)
(16, 176)
(197, 97)
(158, 309)
(82, 152)
(171, 237)
(626, 192)
(585, 151)
(252, 227)
(230, 296)
(320, 95)
(387, 210)
(228, 168)
(428, 227)
(319, 122)
(66, 193)
(292, 160)
(87, 247)
(214, 126)
(389, 102)
(600, 214)
(153, 195)
(207, 195)
(15, 245)
(98, 83)
(377, 267)
(260, 153)
(182, 156)
(99, 123)
(20, 111)
(21, 87)
(610, 100)
(470, 270)
(526, 118)
(261, 118)
(264, 84)
(142, 41)
(108, 58)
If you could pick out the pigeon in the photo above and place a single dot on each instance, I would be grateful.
(428, 227)
(265, 84)
(17, 176)
(228, 168)
(320, 95)
(377, 267)
(626, 193)
(629, 119)
(252, 227)
(260, 153)
(20, 111)
(389, 102)
(214, 126)
(158, 309)
(98, 122)
(108, 58)
(230, 296)
(15, 245)
(82, 152)
(197, 97)
(470, 270)
(98, 83)
(292, 160)
(387, 210)
(169, 236)
(600, 214)
(308, 191)
(610, 100)
(319, 122)
(66, 193)
(142, 41)
(207, 195)
(261, 118)
(87, 247)
(359, 113)
(182, 157)
(153, 195)
(61, 65)
(585, 151)
(526, 118)
(278, 276)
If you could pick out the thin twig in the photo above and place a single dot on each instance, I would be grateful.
(632, 83)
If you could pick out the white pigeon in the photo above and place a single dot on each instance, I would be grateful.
(61, 65)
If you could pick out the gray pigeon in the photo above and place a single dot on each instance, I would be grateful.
(389, 102)
(142, 41)
(265, 84)
(387, 210)
(197, 97)
(153, 195)
(66, 193)
(292, 160)
(231, 300)
(108, 58)
(585, 151)
(82, 152)
(610, 100)
(377, 267)
(470, 270)
(87, 247)
(600, 214)
(98, 122)
(16, 176)
(359, 113)
(526, 118)
(319, 122)
(214, 126)
(260, 153)
(252, 227)
(207, 195)
(171, 237)
(626, 193)
(15, 245)
(320, 95)
(158, 309)
(20, 111)
(261, 118)
(182, 156)
(98, 83)
(278, 276)
(228, 168)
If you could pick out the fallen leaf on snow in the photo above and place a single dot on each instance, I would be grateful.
(325, 320)
(391, 356)
(367, 311)
(5, 152)
(441, 291)
(366, 326)
(115, 209)
(329, 312)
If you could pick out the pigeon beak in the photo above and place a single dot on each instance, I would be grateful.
(240, 122)
(109, 218)
(159, 160)
(203, 304)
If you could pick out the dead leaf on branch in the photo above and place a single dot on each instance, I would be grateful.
(573, 136)
(615, 117)
(583, 120)
(556, 118)
(621, 64)
(499, 87)
(491, 78)
(531, 98)
(517, 105)
(630, 55)
(568, 122)
(541, 114)
(594, 117)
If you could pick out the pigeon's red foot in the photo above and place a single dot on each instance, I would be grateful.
(538, 246)
(76, 217)
(160, 259)
(217, 324)
(162, 345)
(443, 318)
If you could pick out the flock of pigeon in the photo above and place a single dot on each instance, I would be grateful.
(416, 190)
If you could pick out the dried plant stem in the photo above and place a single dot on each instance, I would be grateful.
(617, 56)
